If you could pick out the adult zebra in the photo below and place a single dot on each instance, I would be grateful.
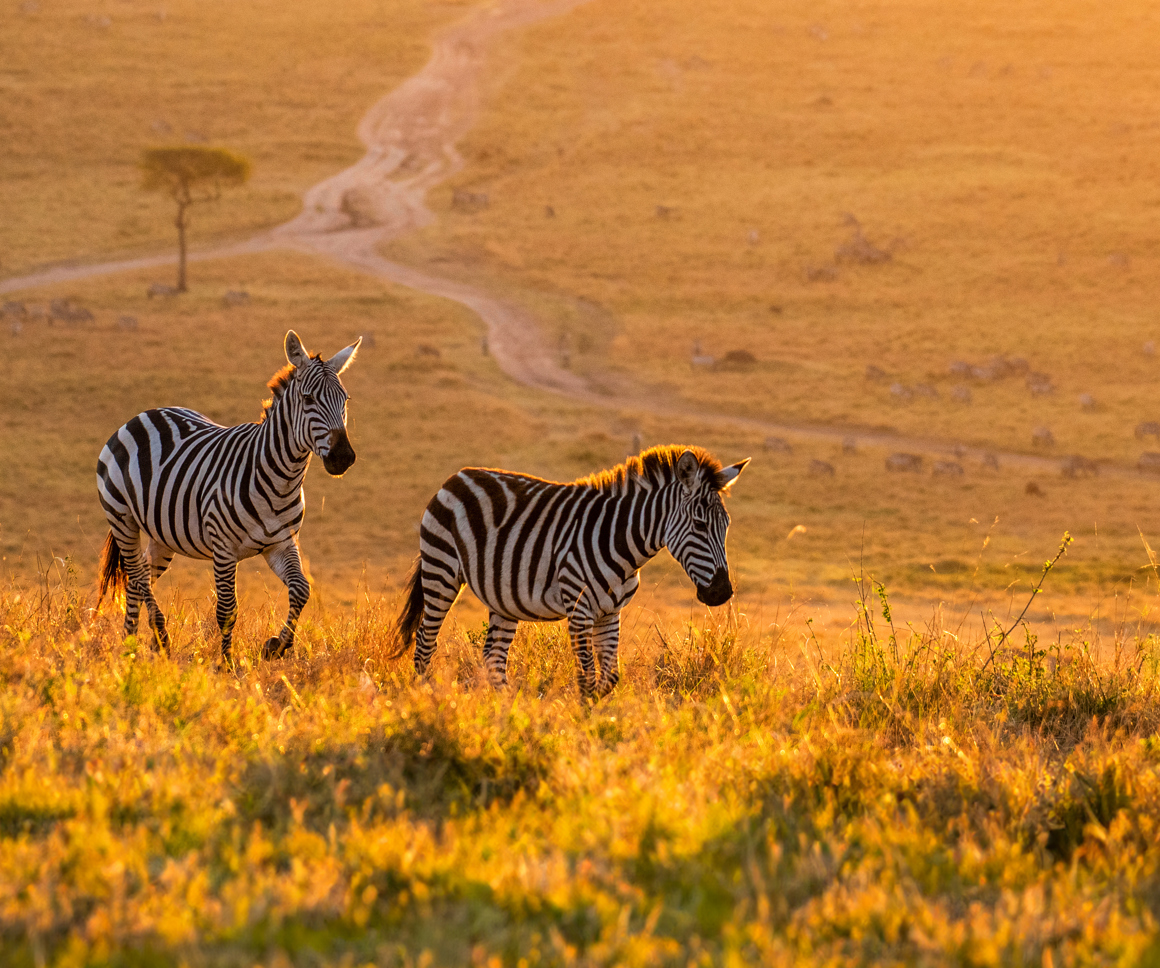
(534, 550)
(191, 487)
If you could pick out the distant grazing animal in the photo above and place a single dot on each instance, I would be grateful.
(821, 468)
(187, 486)
(537, 551)
(1148, 427)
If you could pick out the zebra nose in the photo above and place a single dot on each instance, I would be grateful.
(339, 455)
(718, 591)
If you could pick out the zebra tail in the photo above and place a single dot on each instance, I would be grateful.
(111, 569)
(412, 614)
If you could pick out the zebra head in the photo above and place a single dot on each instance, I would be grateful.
(697, 524)
(319, 399)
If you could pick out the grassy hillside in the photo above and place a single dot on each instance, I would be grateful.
(829, 187)
(86, 86)
(738, 800)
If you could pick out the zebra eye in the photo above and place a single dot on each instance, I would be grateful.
(308, 398)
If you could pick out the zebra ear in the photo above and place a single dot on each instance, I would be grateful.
(687, 468)
(727, 475)
(344, 358)
(296, 353)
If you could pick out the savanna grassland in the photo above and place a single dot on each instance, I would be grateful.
(828, 770)
(85, 86)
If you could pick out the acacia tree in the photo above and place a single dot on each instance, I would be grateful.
(190, 174)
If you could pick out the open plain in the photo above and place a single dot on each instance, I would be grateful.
(821, 236)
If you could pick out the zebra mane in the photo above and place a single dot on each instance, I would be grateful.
(656, 466)
(277, 385)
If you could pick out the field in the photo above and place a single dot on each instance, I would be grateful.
(850, 763)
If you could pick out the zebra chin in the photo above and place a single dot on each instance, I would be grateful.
(718, 591)
(339, 458)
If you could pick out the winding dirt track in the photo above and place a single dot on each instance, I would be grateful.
(411, 136)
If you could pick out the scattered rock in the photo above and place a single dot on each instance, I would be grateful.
(127, 322)
(37, 313)
(1087, 401)
(900, 392)
(821, 273)
(423, 349)
(961, 394)
(754, 237)
(991, 461)
(665, 212)
(1034, 489)
(1148, 427)
(1149, 462)
(1119, 260)
(861, 250)
(960, 368)
(904, 463)
(549, 212)
(1042, 437)
(17, 327)
(465, 201)
(161, 290)
(875, 373)
(778, 445)
(12, 310)
(63, 310)
(738, 359)
(1077, 466)
(849, 445)
(235, 297)
(1150, 348)
(821, 468)
(1039, 384)
(947, 468)
(925, 390)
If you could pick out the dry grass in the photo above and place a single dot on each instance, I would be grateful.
(1005, 158)
(86, 86)
(875, 801)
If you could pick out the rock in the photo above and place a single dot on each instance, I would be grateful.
(1042, 437)
(235, 297)
(465, 201)
(778, 445)
(904, 463)
(1149, 463)
(961, 394)
(947, 468)
(821, 468)
(161, 290)
(1077, 466)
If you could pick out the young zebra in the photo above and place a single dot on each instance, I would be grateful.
(537, 551)
(188, 486)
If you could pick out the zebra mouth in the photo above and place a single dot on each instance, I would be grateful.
(339, 458)
(718, 591)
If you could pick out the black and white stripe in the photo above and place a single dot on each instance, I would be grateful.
(534, 550)
(173, 482)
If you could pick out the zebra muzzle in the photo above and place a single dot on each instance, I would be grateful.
(340, 456)
(718, 591)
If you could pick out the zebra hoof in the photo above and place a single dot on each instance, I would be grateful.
(273, 648)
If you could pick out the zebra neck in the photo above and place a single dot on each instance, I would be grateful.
(283, 452)
(650, 512)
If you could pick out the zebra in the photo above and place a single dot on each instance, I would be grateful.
(187, 486)
(538, 551)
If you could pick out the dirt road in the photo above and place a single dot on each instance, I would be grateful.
(411, 136)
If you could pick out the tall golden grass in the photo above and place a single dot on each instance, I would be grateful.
(743, 797)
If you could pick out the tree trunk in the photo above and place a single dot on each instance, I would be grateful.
(181, 220)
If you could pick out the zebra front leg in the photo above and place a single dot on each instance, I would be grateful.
(500, 633)
(580, 632)
(225, 579)
(285, 562)
(606, 643)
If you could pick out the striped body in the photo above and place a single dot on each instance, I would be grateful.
(172, 482)
(535, 550)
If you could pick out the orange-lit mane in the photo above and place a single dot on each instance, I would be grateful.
(655, 465)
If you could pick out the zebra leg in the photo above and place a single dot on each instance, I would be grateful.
(225, 580)
(285, 561)
(606, 642)
(159, 559)
(500, 632)
(139, 590)
(440, 590)
(580, 631)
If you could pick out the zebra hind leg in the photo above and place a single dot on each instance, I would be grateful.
(285, 561)
(138, 592)
(500, 633)
(440, 591)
